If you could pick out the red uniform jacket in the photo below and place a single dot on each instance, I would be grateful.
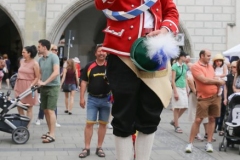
(120, 35)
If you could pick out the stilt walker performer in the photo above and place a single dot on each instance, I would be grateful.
(139, 37)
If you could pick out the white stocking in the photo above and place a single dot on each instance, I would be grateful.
(124, 148)
(143, 146)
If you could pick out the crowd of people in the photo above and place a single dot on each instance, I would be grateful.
(113, 79)
(203, 87)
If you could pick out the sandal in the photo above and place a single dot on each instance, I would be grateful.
(178, 130)
(85, 152)
(44, 136)
(48, 139)
(99, 152)
(172, 123)
(221, 133)
(213, 139)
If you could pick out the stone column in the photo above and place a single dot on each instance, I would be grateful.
(35, 22)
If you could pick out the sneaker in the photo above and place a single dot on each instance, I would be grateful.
(58, 125)
(109, 126)
(199, 137)
(38, 122)
(209, 147)
(189, 148)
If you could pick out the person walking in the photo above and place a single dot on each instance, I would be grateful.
(50, 83)
(54, 50)
(70, 78)
(97, 103)
(78, 68)
(2, 65)
(138, 101)
(208, 102)
(180, 90)
(7, 70)
(28, 76)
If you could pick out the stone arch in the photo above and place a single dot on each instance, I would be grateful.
(14, 18)
(61, 22)
(187, 39)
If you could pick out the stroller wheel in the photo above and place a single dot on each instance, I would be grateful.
(20, 135)
(239, 149)
(221, 145)
(225, 146)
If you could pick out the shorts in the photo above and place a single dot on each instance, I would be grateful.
(98, 107)
(208, 107)
(136, 107)
(192, 100)
(49, 97)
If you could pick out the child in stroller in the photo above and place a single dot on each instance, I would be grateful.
(14, 123)
(232, 123)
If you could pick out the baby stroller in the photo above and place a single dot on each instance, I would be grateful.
(232, 123)
(15, 123)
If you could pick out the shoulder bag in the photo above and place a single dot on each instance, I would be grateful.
(179, 75)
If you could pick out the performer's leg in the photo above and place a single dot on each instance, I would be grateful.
(147, 120)
(124, 148)
(144, 143)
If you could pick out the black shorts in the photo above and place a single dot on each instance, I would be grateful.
(136, 106)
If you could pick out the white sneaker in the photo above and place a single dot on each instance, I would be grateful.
(209, 147)
(58, 125)
(189, 148)
(109, 126)
(38, 122)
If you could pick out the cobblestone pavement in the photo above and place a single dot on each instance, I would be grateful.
(168, 145)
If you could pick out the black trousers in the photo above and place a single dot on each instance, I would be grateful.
(136, 106)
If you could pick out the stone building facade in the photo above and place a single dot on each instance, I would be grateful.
(212, 24)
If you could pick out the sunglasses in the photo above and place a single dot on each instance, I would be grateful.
(54, 49)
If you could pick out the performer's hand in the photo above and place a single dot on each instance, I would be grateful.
(157, 32)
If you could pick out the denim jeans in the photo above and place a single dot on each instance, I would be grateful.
(98, 107)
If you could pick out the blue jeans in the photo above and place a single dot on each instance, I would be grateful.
(41, 113)
(98, 107)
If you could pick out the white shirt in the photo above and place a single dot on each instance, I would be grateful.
(148, 19)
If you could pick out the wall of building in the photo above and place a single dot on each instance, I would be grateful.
(206, 22)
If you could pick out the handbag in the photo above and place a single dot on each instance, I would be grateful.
(66, 87)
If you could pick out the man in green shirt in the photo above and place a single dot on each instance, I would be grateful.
(50, 82)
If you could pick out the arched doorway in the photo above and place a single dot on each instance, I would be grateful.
(11, 36)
